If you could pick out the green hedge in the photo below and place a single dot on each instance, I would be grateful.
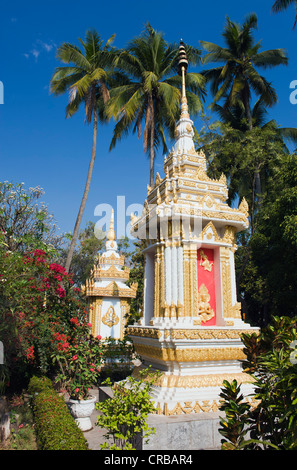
(55, 427)
(39, 384)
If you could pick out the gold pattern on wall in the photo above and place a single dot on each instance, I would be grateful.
(189, 407)
(194, 381)
(190, 354)
(95, 316)
(207, 266)
(229, 310)
(125, 307)
(200, 333)
(110, 318)
(194, 281)
(204, 310)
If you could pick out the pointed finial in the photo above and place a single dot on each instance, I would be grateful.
(183, 60)
(183, 67)
(111, 232)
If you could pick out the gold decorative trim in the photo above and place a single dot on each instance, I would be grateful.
(195, 381)
(209, 334)
(229, 310)
(205, 312)
(95, 316)
(110, 318)
(125, 308)
(111, 272)
(203, 406)
(112, 290)
(111, 259)
(207, 266)
(190, 354)
(190, 334)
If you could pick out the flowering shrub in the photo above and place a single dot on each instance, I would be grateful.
(80, 366)
(41, 313)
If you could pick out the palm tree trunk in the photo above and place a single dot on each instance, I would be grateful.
(152, 160)
(246, 102)
(247, 107)
(152, 143)
(84, 198)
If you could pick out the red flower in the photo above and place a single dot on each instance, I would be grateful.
(61, 293)
(30, 354)
(74, 357)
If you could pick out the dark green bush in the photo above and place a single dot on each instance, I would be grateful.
(55, 427)
(39, 384)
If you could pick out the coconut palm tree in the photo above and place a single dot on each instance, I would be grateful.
(151, 94)
(235, 117)
(280, 5)
(86, 80)
(237, 77)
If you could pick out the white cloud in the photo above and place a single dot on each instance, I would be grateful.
(48, 46)
(39, 47)
(35, 53)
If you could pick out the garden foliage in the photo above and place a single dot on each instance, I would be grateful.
(272, 423)
(124, 416)
(55, 427)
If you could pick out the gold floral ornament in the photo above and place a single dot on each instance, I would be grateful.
(205, 311)
(110, 318)
(205, 262)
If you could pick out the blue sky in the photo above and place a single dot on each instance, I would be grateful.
(39, 147)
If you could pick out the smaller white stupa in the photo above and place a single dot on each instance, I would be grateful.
(108, 292)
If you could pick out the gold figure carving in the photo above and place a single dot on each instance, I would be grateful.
(204, 310)
(204, 261)
(110, 318)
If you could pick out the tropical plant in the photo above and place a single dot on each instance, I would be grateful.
(237, 77)
(271, 423)
(268, 282)
(235, 117)
(86, 80)
(247, 157)
(280, 5)
(151, 93)
(124, 416)
(234, 427)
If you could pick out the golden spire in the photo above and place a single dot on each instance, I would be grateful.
(111, 232)
(183, 66)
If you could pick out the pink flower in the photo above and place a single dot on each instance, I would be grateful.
(89, 325)
(76, 390)
(98, 337)
(74, 357)
(92, 370)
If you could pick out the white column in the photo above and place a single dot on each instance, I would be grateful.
(174, 287)
(180, 275)
(167, 275)
(233, 278)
